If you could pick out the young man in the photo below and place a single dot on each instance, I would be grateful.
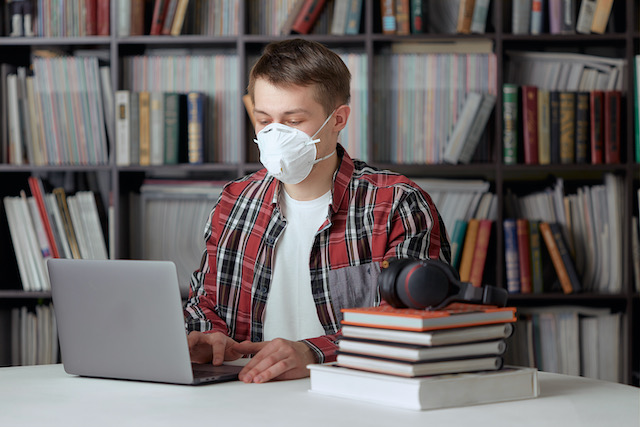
(290, 245)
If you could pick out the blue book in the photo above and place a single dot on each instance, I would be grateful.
(457, 241)
(511, 261)
(195, 127)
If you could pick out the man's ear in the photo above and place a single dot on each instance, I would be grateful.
(341, 115)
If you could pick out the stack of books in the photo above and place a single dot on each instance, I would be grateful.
(421, 359)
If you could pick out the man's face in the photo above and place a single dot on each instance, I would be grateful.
(292, 106)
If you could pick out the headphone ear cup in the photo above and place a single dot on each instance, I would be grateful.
(423, 285)
(387, 282)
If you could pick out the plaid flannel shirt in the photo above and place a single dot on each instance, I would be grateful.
(374, 215)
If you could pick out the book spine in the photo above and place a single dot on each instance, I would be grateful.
(556, 257)
(124, 18)
(195, 142)
(512, 265)
(178, 20)
(567, 127)
(480, 253)
(544, 143)
(157, 19)
(123, 123)
(145, 122)
(417, 16)
(460, 132)
(156, 127)
(568, 16)
(387, 12)
(537, 282)
(91, 17)
(465, 16)
(308, 16)
(134, 134)
(537, 14)
(403, 24)
(612, 112)
(477, 128)
(530, 124)
(172, 6)
(171, 127)
(510, 123)
(582, 127)
(554, 126)
(457, 241)
(354, 18)
(601, 16)
(555, 16)
(596, 101)
(468, 249)
(520, 16)
(585, 16)
(37, 191)
(137, 18)
(480, 14)
(103, 15)
(524, 255)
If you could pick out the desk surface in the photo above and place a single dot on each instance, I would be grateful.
(46, 395)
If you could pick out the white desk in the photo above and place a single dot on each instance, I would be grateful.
(46, 395)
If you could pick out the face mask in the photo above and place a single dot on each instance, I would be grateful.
(287, 153)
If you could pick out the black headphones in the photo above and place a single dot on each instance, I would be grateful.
(431, 284)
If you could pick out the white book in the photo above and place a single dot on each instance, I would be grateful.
(91, 220)
(520, 16)
(35, 258)
(340, 15)
(58, 225)
(462, 127)
(477, 128)
(479, 18)
(79, 226)
(18, 239)
(433, 392)
(585, 16)
(124, 18)
(37, 138)
(156, 125)
(122, 125)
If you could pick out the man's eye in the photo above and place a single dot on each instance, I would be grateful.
(294, 122)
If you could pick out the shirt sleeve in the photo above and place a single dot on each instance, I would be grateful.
(199, 312)
(416, 229)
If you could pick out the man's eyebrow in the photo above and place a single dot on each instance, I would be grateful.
(286, 113)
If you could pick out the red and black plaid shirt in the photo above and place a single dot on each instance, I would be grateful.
(374, 215)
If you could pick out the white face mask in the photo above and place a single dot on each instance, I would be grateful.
(287, 153)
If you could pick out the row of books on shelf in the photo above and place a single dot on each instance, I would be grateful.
(570, 340)
(420, 97)
(420, 359)
(48, 120)
(168, 219)
(561, 127)
(579, 234)
(52, 225)
(31, 335)
(560, 16)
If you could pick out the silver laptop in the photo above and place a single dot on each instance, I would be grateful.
(123, 319)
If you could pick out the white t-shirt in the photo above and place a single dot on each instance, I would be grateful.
(290, 311)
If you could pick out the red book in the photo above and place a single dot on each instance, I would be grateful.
(524, 255)
(596, 106)
(308, 16)
(480, 254)
(612, 113)
(157, 20)
(530, 124)
(91, 17)
(103, 14)
(454, 315)
(35, 185)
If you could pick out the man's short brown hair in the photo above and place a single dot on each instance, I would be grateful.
(299, 62)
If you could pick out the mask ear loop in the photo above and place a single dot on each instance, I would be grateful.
(315, 141)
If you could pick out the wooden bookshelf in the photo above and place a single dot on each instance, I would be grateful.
(370, 41)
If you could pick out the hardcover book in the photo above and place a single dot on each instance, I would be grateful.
(510, 123)
(423, 393)
(430, 338)
(453, 316)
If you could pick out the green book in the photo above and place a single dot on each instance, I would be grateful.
(510, 123)
(457, 240)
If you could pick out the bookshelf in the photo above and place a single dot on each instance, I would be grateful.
(370, 41)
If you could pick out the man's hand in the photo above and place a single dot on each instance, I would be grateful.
(278, 359)
(214, 348)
